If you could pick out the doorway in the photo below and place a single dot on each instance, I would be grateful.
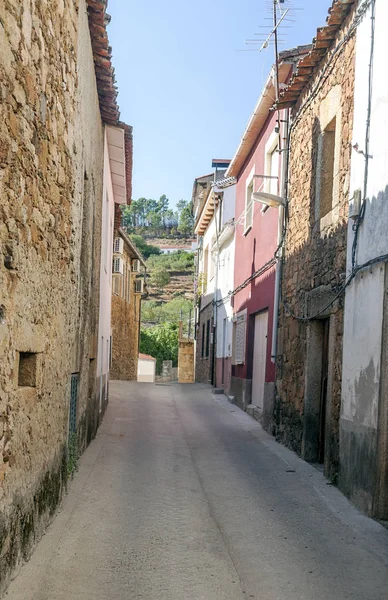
(259, 358)
(224, 325)
(317, 391)
(324, 380)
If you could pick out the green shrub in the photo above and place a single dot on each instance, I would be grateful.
(161, 342)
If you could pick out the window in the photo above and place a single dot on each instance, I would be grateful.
(124, 283)
(203, 341)
(239, 335)
(118, 245)
(117, 285)
(326, 168)
(273, 164)
(205, 268)
(128, 292)
(248, 207)
(270, 183)
(212, 260)
(105, 220)
(27, 369)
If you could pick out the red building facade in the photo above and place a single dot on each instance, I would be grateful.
(257, 165)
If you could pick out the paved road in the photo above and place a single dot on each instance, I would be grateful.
(183, 497)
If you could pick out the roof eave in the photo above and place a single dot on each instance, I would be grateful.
(257, 120)
(322, 43)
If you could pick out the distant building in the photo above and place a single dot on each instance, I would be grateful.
(146, 368)
(174, 249)
(213, 209)
(223, 252)
(203, 209)
(127, 291)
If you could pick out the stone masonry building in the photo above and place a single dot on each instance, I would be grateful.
(127, 292)
(309, 361)
(57, 95)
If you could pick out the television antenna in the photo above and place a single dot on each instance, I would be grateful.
(282, 14)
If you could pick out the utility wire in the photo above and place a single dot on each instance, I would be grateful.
(326, 71)
(349, 279)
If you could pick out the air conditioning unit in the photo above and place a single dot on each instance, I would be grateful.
(118, 246)
(139, 286)
(136, 264)
(118, 265)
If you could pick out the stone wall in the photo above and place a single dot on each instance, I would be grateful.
(51, 152)
(315, 261)
(125, 336)
(186, 361)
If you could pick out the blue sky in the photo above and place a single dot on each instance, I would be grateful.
(184, 87)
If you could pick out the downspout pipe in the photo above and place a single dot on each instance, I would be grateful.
(281, 229)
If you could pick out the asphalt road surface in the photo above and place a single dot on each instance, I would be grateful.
(182, 496)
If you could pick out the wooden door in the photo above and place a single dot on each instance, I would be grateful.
(259, 358)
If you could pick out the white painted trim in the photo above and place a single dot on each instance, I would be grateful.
(249, 182)
(270, 146)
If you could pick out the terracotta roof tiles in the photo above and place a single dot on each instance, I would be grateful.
(106, 82)
(338, 12)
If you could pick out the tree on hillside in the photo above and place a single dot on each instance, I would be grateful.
(145, 249)
(186, 219)
(155, 217)
(160, 277)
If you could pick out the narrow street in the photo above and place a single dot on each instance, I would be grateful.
(184, 496)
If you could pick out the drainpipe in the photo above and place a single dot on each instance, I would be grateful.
(279, 258)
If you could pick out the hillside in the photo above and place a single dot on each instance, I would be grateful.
(180, 267)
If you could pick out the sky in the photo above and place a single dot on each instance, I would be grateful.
(183, 84)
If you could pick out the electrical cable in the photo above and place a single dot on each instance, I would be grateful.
(325, 73)
(349, 279)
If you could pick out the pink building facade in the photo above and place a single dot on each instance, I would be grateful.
(257, 166)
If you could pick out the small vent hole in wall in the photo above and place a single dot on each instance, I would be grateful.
(27, 369)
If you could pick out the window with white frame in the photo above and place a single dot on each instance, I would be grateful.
(117, 285)
(212, 260)
(205, 268)
(124, 282)
(128, 291)
(248, 205)
(239, 336)
(271, 182)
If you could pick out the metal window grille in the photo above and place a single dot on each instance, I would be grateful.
(73, 403)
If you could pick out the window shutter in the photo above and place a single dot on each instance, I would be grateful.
(118, 245)
(239, 342)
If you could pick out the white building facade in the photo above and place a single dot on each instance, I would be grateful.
(223, 256)
(114, 192)
(364, 409)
